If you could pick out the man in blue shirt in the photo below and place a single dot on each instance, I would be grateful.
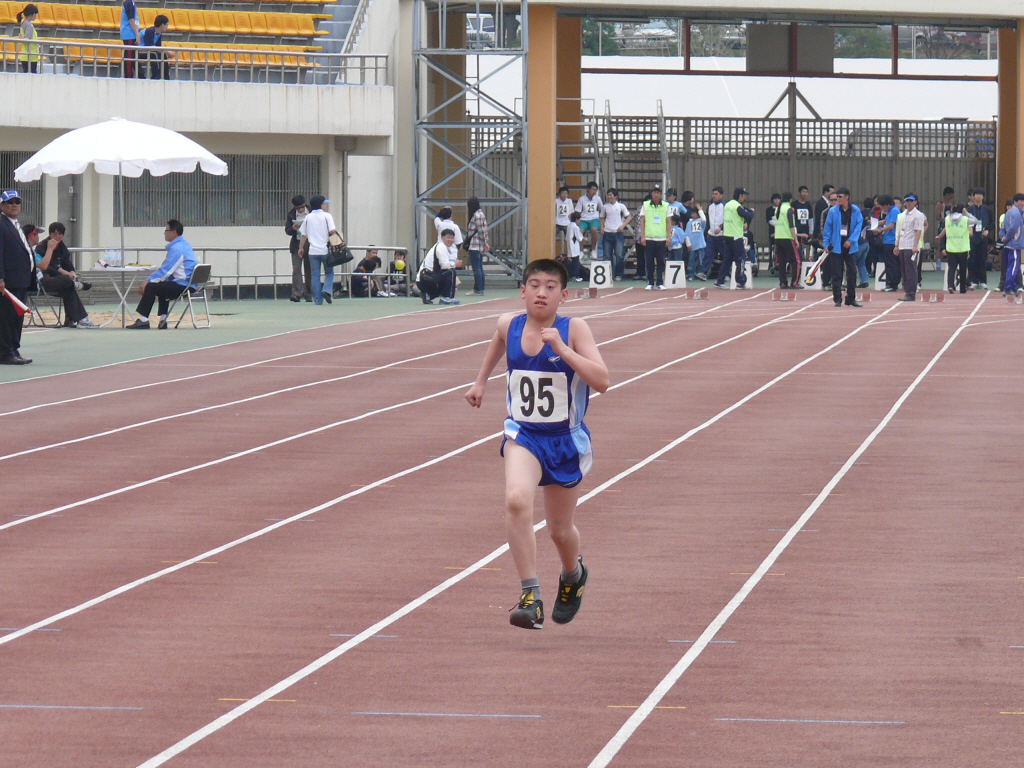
(129, 34)
(152, 39)
(169, 280)
(1012, 236)
(839, 237)
(887, 229)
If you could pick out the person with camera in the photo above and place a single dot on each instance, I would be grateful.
(316, 230)
(437, 274)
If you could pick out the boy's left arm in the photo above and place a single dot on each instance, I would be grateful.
(580, 353)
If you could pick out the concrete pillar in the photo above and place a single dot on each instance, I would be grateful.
(458, 189)
(1008, 140)
(403, 160)
(568, 88)
(542, 66)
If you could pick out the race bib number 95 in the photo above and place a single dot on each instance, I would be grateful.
(538, 397)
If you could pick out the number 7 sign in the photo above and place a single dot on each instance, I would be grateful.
(675, 274)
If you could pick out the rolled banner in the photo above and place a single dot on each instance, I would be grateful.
(19, 307)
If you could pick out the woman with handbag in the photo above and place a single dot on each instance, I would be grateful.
(318, 232)
(479, 244)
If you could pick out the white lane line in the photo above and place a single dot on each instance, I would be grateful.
(300, 435)
(405, 610)
(241, 367)
(208, 408)
(335, 379)
(257, 338)
(605, 756)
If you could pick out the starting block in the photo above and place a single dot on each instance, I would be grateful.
(747, 270)
(696, 294)
(1011, 299)
(586, 293)
(781, 295)
(863, 296)
(933, 297)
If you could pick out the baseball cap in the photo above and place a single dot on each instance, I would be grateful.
(31, 229)
(911, 196)
(9, 194)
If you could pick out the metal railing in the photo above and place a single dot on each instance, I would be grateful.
(355, 29)
(272, 278)
(195, 62)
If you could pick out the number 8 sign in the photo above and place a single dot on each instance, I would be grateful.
(600, 274)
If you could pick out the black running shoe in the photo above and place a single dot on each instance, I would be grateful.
(570, 596)
(529, 614)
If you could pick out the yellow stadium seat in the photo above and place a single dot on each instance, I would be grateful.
(7, 15)
(289, 23)
(109, 16)
(242, 24)
(60, 15)
(178, 18)
(258, 22)
(274, 26)
(45, 15)
(147, 16)
(196, 21)
(213, 22)
(75, 17)
(90, 16)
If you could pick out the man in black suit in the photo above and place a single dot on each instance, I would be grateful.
(17, 275)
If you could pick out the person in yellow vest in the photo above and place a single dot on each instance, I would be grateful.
(956, 234)
(28, 53)
(654, 236)
(735, 214)
(787, 245)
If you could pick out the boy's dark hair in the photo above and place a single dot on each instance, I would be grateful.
(719, 190)
(947, 191)
(843, 191)
(785, 197)
(1019, 196)
(176, 226)
(869, 203)
(445, 213)
(57, 227)
(575, 216)
(673, 219)
(298, 200)
(562, 189)
(801, 188)
(957, 208)
(613, 191)
(591, 185)
(671, 191)
(546, 267)
(694, 212)
(826, 189)
(886, 200)
(447, 232)
(316, 202)
(1008, 203)
(687, 195)
(160, 20)
(977, 191)
(776, 196)
(737, 192)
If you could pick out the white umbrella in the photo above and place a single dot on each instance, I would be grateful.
(123, 148)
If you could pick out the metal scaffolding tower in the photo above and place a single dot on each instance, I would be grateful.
(470, 89)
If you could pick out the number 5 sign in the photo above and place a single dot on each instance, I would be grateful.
(675, 274)
(600, 274)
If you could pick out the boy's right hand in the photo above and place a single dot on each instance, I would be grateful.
(475, 396)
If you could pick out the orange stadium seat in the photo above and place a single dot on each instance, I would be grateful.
(60, 15)
(109, 16)
(289, 24)
(45, 15)
(76, 18)
(196, 21)
(213, 22)
(273, 20)
(258, 22)
(242, 25)
(147, 16)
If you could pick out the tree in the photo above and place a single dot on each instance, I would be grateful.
(607, 46)
(863, 43)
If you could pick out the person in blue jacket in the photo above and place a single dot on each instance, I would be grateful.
(840, 237)
(1011, 234)
(169, 280)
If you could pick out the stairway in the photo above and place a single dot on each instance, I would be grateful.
(635, 174)
(342, 13)
(578, 156)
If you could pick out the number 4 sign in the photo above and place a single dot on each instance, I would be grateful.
(675, 274)
(600, 274)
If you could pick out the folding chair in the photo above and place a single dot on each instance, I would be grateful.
(196, 290)
(53, 303)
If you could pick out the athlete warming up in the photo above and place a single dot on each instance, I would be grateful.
(553, 363)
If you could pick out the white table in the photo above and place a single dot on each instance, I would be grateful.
(119, 276)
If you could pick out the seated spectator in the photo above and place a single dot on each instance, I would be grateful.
(158, 60)
(437, 275)
(56, 273)
(169, 280)
(398, 274)
(368, 286)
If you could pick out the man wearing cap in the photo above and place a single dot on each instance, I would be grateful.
(909, 232)
(839, 237)
(17, 276)
(734, 216)
(654, 234)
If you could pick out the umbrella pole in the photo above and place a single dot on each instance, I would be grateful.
(120, 193)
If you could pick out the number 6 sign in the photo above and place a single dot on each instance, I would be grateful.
(600, 274)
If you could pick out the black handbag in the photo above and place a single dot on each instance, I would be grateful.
(338, 255)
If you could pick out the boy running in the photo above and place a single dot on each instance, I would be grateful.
(552, 364)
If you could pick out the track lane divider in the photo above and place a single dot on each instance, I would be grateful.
(314, 666)
(605, 756)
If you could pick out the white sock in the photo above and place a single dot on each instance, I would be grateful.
(143, 319)
(163, 317)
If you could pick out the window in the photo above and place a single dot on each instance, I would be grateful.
(32, 208)
(257, 192)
